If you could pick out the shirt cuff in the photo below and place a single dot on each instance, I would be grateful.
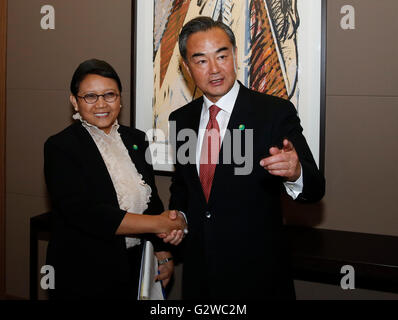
(186, 221)
(293, 189)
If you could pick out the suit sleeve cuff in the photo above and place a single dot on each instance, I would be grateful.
(293, 189)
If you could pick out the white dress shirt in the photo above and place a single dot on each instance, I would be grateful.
(226, 104)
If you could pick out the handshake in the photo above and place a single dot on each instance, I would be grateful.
(173, 226)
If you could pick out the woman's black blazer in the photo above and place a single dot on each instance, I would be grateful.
(89, 259)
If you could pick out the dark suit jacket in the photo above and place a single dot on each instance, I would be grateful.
(235, 248)
(89, 259)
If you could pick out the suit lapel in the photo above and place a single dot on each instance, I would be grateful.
(137, 155)
(192, 122)
(194, 125)
(242, 112)
(129, 143)
(92, 157)
(194, 119)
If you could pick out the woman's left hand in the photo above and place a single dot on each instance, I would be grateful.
(165, 270)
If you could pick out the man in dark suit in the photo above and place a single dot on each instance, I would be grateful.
(235, 248)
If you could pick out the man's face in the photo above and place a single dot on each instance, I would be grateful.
(211, 61)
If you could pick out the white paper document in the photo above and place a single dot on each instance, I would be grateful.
(148, 289)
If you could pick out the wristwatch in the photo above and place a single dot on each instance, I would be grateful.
(163, 261)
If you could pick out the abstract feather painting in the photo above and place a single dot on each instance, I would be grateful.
(280, 51)
(266, 33)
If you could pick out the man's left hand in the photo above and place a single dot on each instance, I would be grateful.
(283, 162)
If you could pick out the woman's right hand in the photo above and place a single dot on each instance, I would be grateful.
(171, 220)
(174, 226)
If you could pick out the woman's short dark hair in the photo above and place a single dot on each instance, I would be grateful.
(93, 66)
(201, 24)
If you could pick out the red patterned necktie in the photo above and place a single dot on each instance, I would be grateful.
(210, 151)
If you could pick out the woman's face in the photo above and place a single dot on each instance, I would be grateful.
(101, 113)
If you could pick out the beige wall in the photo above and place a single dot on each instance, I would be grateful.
(361, 123)
(361, 111)
(361, 119)
(3, 90)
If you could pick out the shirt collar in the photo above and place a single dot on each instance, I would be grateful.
(227, 101)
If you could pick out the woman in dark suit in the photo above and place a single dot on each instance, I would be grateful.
(100, 184)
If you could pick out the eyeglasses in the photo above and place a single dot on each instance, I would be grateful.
(91, 98)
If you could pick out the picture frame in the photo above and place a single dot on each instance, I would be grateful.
(311, 74)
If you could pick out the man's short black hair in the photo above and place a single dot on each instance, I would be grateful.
(201, 24)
